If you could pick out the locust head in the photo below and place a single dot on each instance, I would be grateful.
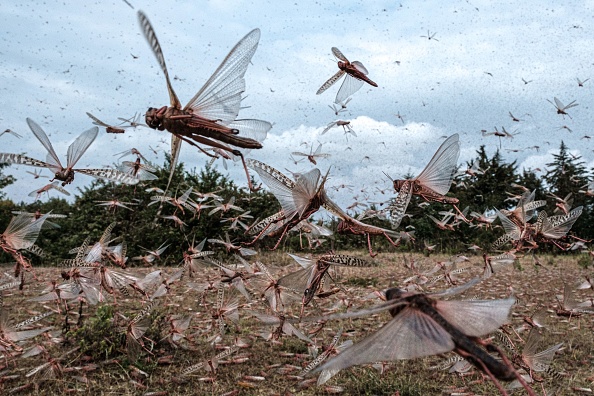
(154, 117)
(398, 184)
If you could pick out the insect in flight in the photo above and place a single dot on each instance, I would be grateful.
(423, 326)
(356, 75)
(209, 118)
(75, 151)
(561, 108)
(432, 183)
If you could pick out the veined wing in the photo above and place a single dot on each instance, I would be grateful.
(398, 207)
(555, 227)
(52, 158)
(411, 334)
(252, 129)
(151, 37)
(306, 187)
(509, 226)
(330, 81)
(24, 160)
(80, 145)
(21, 232)
(280, 185)
(337, 53)
(349, 86)
(439, 172)
(110, 174)
(476, 318)
(359, 66)
(220, 97)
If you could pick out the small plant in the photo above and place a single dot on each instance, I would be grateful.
(361, 282)
(584, 261)
(99, 337)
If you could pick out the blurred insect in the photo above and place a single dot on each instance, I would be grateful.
(36, 175)
(278, 296)
(312, 156)
(20, 234)
(51, 186)
(51, 369)
(131, 151)
(561, 108)
(430, 36)
(114, 204)
(580, 82)
(135, 329)
(514, 119)
(11, 132)
(149, 258)
(108, 128)
(332, 349)
(231, 247)
(346, 126)
(432, 183)
(140, 171)
(356, 75)
(349, 225)
(209, 118)
(310, 278)
(181, 202)
(210, 364)
(75, 151)
(133, 121)
(11, 335)
(224, 207)
(423, 326)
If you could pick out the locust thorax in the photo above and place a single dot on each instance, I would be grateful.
(342, 65)
(398, 184)
(154, 118)
(65, 175)
(394, 294)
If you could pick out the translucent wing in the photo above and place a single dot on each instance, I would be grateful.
(411, 334)
(555, 227)
(305, 189)
(253, 129)
(330, 81)
(52, 158)
(339, 54)
(398, 207)
(80, 145)
(220, 97)
(110, 174)
(21, 232)
(476, 318)
(280, 185)
(359, 66)
(151, 37)
(175, 149)
(509, 226)
(349, 86)
(439, 172)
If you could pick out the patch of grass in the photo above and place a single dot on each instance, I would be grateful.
(99, 337)
(361, 282)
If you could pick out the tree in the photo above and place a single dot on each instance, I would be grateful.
(4, 180)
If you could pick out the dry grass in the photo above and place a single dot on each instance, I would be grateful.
(277, 361)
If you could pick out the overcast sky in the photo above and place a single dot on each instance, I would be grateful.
(59, 60)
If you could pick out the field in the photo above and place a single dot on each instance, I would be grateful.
(101, 366)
